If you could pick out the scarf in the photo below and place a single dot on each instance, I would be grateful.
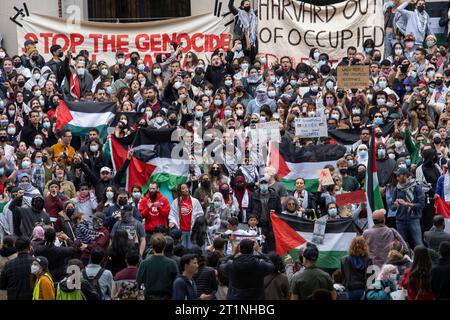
(242, 196)
(248, 22)
(261, 99)
(408, 189)
(83, 199)
(422, 19)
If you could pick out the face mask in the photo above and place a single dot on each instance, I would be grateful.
(228, 113)
(46, 125)
(391, 156)
(350, 163)
(35, 269)
(93, 148)
(393, 277)
(420, 8)
(173, 121)
(245, 66)
(136, 195)
(311, 114)
(381, 153)
(320, 64)
(177, 85)
(378, 121)
(272, 79)
(104, 72)
(11, 113)
(398, 52)
(382, 84)
(385, 114)
(26, 164)
(38, 161)
(263, 60)
(389, 104)
(413, 74)
(2, 171)
(408, 162)
(80, 71)
(363, 154)
(149, 114)
(201, 67)
(217, 204)
(316, 55)
(217, 102)
(293, 82)
(262, 119)
(332, 212)
(38, 142)
(398, 144)
(11, 131)
(368, 50)
(109, 195)
(335, 116)
(314, 88)
(129, 76)
(37, 93)
(199, 114)
(159, 120)
(36, 76)
(402, 165)
(122, 202)
(381, 102)
(437, 140)
(264, 187)
(409, 44)
(329, 85)
(141, 67)
(271, 93)
(109, 90)
(4, 123)
(120, 61)
(356, 111)
(228, 83)
(208, 93)
(439, 82)
(330, 101)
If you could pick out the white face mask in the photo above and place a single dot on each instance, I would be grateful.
(37, 76)
(104, 72)
(120, 61)
(35, 269)
(159, 120)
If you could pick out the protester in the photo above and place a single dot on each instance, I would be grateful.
(42, 280)
(439, 273)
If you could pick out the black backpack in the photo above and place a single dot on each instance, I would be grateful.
(93, 290)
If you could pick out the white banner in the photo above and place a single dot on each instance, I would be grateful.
(292, 27)
(265, 132)
(314, 127)
(201, 34)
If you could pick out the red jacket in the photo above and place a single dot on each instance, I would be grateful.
(154, 215)
(413, 290)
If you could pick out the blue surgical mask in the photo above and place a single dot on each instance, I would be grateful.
(402, 165)
(363, 153)
(129, 76)
(239, 47)
(408, 162)
(329, 85)
(381, 153)
(228, 113)
(136, 195)
(264, 187)
(228, 83)
(157, 71)
(378, 121)
(271, 93)
(316, 55)
(413, 74)
(293, 82)
(350, 163)
(217, 102)
(332, 212)
(46, 125)
(2, 171)
(81, 71)
(199, 114)
(4, 123)
(382, 85)
(245, 66)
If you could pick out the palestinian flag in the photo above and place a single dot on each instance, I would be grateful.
(373, 194)
(291, 233)
(305, 163)
(80, 117)
(443, 208)
(151, 161)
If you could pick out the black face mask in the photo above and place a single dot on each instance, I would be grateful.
(20, 83)
(420, 8)
(75, 165)
(122, 202)
(206, 184)
(134, 61)
(439, 82)
(153, 194)
(44, 159)
(3, 138)
(60, 55)
(378, 134)
(343, 171)
(340, 95)
(17, 64)
(38, 204)
(437, 140)
(247, 9)
(94, 73)
(404, 68)
(70, 212)
(361, 175)
(34, 58)
(173, 121)
(356, 125)
(215, 172)
(447, 73)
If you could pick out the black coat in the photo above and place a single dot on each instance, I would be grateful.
(216, 75)
(440, 279)
(246, 276)
(255, 207)
(354, 277)
(15, 277)
(443, 22)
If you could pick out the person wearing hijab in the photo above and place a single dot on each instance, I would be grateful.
(37, 237)
(218, 214)
(254, 106)
(385, 165)
(427, 175)
(242, 195)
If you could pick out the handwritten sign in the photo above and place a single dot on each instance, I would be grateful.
(266, 131)
(353, 77)
(325, 177)
(313, 127)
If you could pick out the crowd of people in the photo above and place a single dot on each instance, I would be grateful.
(64, 207)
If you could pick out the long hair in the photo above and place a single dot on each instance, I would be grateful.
(420, 269)
(120, 243)
(358, 247)
(277, 262)
(199, 231)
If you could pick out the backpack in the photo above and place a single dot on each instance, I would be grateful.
(131, 230)
(129, 290)
(93, 289)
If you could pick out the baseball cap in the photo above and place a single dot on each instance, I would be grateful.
(103, 169)
(29, 42)
(42, 261)
(311, 252)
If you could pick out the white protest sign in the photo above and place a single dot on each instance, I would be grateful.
(293, 27)
(314, 127)
(266, 131)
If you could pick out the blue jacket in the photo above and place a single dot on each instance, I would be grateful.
(404, 213)
(184, 289)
